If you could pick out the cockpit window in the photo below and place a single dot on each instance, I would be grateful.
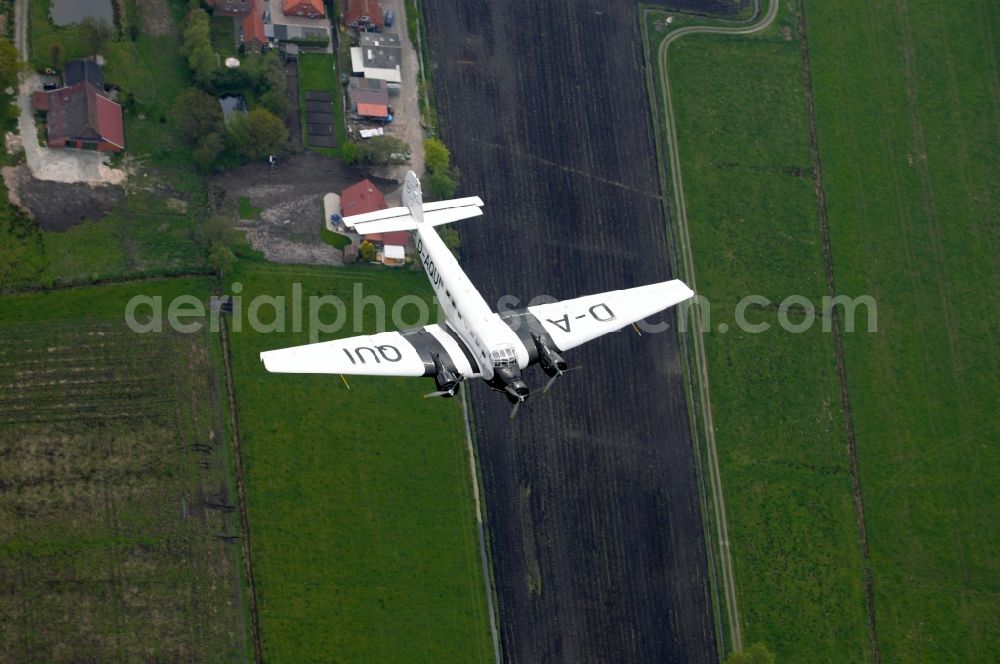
(503, 356)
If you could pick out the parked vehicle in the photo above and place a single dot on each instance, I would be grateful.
(390, 16)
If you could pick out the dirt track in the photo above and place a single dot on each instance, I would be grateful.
(592, 503)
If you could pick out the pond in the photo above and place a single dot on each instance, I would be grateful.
(65, 12)
(232, 104)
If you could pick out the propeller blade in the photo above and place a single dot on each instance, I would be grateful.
(513, 411)
(439, 393)
(562, 373)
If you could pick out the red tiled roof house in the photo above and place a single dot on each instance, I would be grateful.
(307, 8)
(79, 114)
(364, 197)
(363, 15)
(253, 25)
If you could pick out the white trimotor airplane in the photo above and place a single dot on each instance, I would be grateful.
(475, 341)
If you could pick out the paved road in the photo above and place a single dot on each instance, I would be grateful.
(46, 164)
(405, 106)
(687, 261)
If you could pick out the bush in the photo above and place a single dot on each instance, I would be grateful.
(437, 157)
(442, 185)
(367, 251)
(382, 150)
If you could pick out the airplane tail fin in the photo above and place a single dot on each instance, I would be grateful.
(414, 212)
(413, 197)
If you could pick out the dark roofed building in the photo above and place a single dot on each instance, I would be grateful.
(367, 91)
(378, 56)
(381, 51)
(364, 15)
(79, 114)
(77, 71)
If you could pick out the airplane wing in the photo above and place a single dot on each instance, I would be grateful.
(405, 353)
(573, 322)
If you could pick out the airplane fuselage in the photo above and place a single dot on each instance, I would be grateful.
(488, 338)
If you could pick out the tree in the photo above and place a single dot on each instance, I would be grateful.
(437, 157)
(221, 258)
(197, 115)
(382, 150)
(10, 65)
(275, 101)
(196, 31)
(56, 54)
(96, 33)
(197, 46)
(442, 185)
(208, 150)
(203, 62)
(755, 654)
(443, 180)
(266, 72)
(366, 251)
(258, 133)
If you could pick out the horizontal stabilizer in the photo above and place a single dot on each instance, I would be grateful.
(402, 219)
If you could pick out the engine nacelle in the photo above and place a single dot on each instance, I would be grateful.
(551, 362)
(445, 379)
(508, 380)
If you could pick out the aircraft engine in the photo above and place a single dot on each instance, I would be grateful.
(551, 362)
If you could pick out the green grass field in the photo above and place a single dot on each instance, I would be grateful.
(360, 500)
(909, 133)
(919, 401)
(118, 539)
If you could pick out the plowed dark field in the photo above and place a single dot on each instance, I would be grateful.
(592, 501)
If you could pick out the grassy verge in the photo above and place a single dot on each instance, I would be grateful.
(116, 542)
(364, 539)
(417, 32)
(906, 115)
(335, 239)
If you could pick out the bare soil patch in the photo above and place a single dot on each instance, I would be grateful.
(593, 509)
(58, 206)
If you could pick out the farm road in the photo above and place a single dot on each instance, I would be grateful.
(591, 495)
